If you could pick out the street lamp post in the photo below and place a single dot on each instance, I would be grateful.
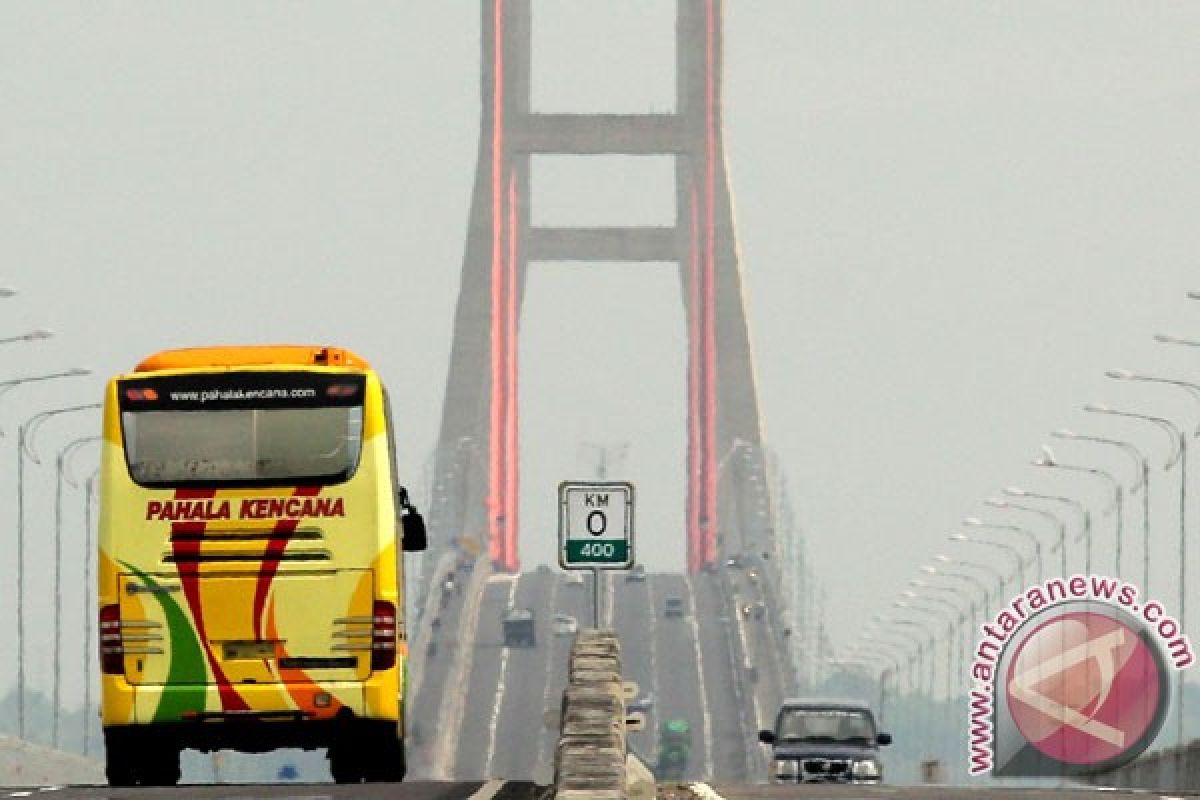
(1008, 548)
(5, 387)
(976, 612)
(1085, 516)
(1142, 465)
(923, 665)
(976, 522)
(12, 383)
(1194, 391)
(971, 610)
(967, 577)
(899, 642)
(31, 336)
(890, 666)
(867, 662)
(931, 637)
(25, 434)
(89, 552)
(946, 612)
(1050, 462)
(62, 467)
(922, 714)
(1060, 526)
(952, 615)
(1178, 455)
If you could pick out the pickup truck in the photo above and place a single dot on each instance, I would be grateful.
(825, 741)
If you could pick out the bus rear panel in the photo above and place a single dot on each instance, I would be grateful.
(249, 579)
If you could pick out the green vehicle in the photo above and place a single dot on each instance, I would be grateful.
(674, 748)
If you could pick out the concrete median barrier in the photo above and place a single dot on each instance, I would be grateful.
(590, 757)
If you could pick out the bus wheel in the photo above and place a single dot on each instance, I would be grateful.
(386, 763)
(346, 763)
(119, 768)
(161, 767)
(120, 761)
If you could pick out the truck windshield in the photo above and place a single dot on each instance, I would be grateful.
(826, 725)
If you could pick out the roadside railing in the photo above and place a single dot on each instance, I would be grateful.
(1171, 769)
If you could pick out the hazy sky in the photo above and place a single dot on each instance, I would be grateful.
(952, 216)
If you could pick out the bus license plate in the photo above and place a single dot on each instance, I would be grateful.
(248, 651)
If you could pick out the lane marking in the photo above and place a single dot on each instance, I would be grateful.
(500, 689)
(748, 657)
(722, 630)
(454, 691)
(488, 790)
(546, 759)
(703, 790)
(709, 768)
(418, 641)
(768, 628)
(753, 751)
(652, 716)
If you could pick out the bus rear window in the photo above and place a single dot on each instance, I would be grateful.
(303, 434)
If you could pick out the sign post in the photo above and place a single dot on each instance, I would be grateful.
(595, 530)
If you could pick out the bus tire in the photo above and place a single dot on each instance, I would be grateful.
(346, 763)
(120, 761)
(161, 767)
(386, 763)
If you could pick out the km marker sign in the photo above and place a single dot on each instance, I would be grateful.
(595, 525)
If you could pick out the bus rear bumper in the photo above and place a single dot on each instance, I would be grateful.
(252, 717)
(254, 732)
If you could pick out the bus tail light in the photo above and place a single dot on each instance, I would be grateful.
(383, 636)
(112, 649)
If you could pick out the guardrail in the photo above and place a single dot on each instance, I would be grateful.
(591, 759)
(1171, 769)
(454, 692)
(745, 673)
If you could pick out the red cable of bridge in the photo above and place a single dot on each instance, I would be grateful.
(496, 477)
(511, 562)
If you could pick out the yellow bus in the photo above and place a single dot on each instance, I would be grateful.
(250, 571)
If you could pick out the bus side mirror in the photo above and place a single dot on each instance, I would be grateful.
(412, 524)
(415, 539)
(766, 737)
(883, 739)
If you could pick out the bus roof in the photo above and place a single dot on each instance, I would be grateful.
(252, 355)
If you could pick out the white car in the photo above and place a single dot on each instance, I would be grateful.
(565, 625)
(573, 579)
(644, 703)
